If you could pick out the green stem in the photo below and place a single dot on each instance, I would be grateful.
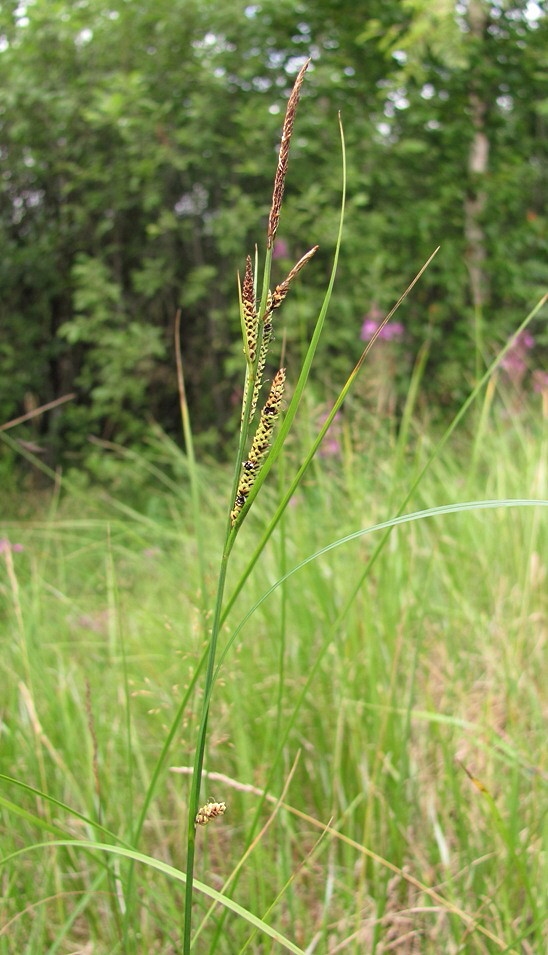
(194, 800)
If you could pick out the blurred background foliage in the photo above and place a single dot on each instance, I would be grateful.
(137, 149)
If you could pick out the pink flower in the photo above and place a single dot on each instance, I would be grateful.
(329, 448)
(280, 250)
(514, 362)
(524, 341)
(6, 545)
(540, 380)
(391, 332)
(331, 445)
(369, 328)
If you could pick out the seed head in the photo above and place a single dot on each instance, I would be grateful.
(261, 443)
(209, 812)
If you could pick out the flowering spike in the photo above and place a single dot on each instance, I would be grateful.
(274, 300)
(265, 342)
(249, 310)
(282, 289)
(210, 811)
(283, 156)
(261, 443)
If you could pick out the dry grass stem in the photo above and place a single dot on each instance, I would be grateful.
(36, 412)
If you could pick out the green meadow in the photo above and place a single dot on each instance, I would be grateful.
(296, 703)
(377, 727)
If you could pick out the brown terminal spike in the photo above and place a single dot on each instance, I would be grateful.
(283, 156)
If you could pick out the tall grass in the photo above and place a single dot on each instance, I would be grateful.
(363, 691)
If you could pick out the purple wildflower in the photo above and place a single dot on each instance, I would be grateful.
(331, 445)
(369, 328)
(280, 250)
(540, 381)
(525, 341)
(514, 362)
(391, 332)
(6, 545)
(330, 448)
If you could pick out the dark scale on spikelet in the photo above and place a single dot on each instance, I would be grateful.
(279, 294)
(261, 443)
(210, 811)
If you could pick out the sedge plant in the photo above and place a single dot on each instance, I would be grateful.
(258, 449)
(257, 317)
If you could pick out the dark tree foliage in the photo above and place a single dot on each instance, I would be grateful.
(137, 148)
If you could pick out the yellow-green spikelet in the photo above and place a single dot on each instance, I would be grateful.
(249, 310)
(273, 302)
(251, 325)
(261, 443)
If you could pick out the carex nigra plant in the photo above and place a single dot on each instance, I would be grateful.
(258, 313)
(259, 447)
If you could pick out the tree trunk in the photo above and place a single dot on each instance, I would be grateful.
(478, 162)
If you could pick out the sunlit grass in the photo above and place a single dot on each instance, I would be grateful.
(434, 669)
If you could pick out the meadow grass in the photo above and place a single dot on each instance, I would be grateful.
(376, 701)
(352, 695)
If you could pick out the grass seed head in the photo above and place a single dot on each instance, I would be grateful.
(210, 811)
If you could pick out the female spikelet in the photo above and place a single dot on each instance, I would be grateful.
(261, 443)
(274, 300)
